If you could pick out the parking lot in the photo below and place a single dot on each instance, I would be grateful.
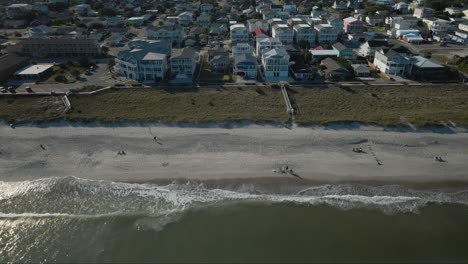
(99, 77)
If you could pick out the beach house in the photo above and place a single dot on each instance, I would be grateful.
(239, 33)
(326, 33)
(305, 32)
(275, 62)
(353, 25)
(283, 32)
(183, 63)
(245, 66)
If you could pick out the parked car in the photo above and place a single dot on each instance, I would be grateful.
(11, 89)
(3, 90)
(28, 89)
(53, 92)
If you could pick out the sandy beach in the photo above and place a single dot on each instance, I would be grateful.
(247, 153)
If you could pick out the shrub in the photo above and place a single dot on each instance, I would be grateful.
(60, 78)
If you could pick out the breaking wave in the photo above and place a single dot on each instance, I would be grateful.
(75, 197)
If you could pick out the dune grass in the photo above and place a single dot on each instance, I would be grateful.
(34, 109)
(424, 105)
(383, 105)
(207, 104)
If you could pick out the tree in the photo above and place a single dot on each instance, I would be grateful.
(304, 44)
(242, 19)
(195, 13)
(105, 49)
(256, 15)
(98, 5)
(76, 73)
(107, 11)
(371, 9)
(427, 54)
(96, 25)
(57, 7)
(110, 65)
(60, 78)
(83, 62)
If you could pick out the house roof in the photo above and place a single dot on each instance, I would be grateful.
(396, 49)
(333, 65)
(321, 26)
(377, 43)
(323, 52)
(34, 69)
(220, 57)
(281, 26)
(360, 67)
(183, 53)
(245, 57)
(350, 19)
(58, 41)
(216, 51)
(276, 52)
(423, 62)
(259, 31)
(154, 56)
(339, 46)
(163, 28)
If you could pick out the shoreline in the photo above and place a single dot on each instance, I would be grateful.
(219, 156)
(232, 124)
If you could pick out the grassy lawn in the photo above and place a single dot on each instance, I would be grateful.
(35, 109)
(425, 105)
(70, 72)
(205, 104)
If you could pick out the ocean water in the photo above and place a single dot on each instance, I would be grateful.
(75, 220)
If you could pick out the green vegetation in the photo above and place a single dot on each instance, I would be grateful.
(64, 73)
(461, 63)
(424, 105)
(207, 74)
(205, 104)
(35, 109)
(90, 88)
(383, 105)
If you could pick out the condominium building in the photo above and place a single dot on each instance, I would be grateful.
(60, 47)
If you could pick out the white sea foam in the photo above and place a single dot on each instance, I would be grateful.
(71, 196)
